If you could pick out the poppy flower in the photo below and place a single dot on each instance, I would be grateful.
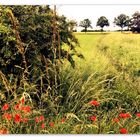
(22, 101)
(138, 115)
(124, 115)
(42, 125)
(4, 131)
(51, 124)
(36, 119)
(26, 109)
(17, 118)
(7, 116)
(41, 118)
(63, 120)
(5, 107)
(116, 120)
(25, 120)
(94, 103)
(93, 118)
(123, 131)
(17, 107)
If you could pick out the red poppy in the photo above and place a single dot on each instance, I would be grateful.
(22, 101)
(4, 131)
(43, 126)
(25, 120)
(26, 109)
(123, 131)
(63, 120)
(17, 107)
(94, 102)
(93, 118)
(7, 116)
(17, 118)
(41, 118)
(138, 115)
(124, 115)
(36, 119)
(5, 107)
(116, 120)
(51, 124)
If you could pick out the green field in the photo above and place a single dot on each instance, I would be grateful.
(109, 73)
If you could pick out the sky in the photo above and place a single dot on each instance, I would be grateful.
(94, 11)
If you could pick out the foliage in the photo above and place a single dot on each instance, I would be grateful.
(32, 48)
(86, 23)
(122, 21)
(135, 22)
(102, 21)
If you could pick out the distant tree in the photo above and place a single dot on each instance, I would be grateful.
(135, 22)
(122, 21)
(86, 23)
(102, 21)
(72, 25)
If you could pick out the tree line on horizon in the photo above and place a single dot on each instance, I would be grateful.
(122, 21)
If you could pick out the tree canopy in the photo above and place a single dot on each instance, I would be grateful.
(102, 21)
(86, 23)
(122, 21)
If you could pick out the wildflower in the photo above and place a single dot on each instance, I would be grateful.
(63, 120)
(7, 116)
(123, 131)
(51, 124)
(36, 119)
(124, 115)
(93, 118)
(22, 101)
(43, 126)
(5, 107)
(116, 120)
(4, 131)
(17, 107)
(138, 115)
(41, 118)
(94, 102)
(26, 109)
(25, 120)
(17, 118)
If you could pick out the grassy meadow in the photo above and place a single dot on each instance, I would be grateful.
(101, 95)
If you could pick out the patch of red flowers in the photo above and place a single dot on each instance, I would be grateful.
(123, 131)
(4, 131)
(138, 115)
(5, 107)
(26, 109)
(124, 115)
(93, 118)
(51, 124)
(17, 118)
(94, 103)
(7, 116)
(116, 120)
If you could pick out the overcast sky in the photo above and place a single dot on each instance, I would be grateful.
(93, 12)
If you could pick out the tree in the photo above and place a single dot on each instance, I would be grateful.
(86, 23)
(135, 22)
(72, 25)
(122, 21)
(102, 21)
